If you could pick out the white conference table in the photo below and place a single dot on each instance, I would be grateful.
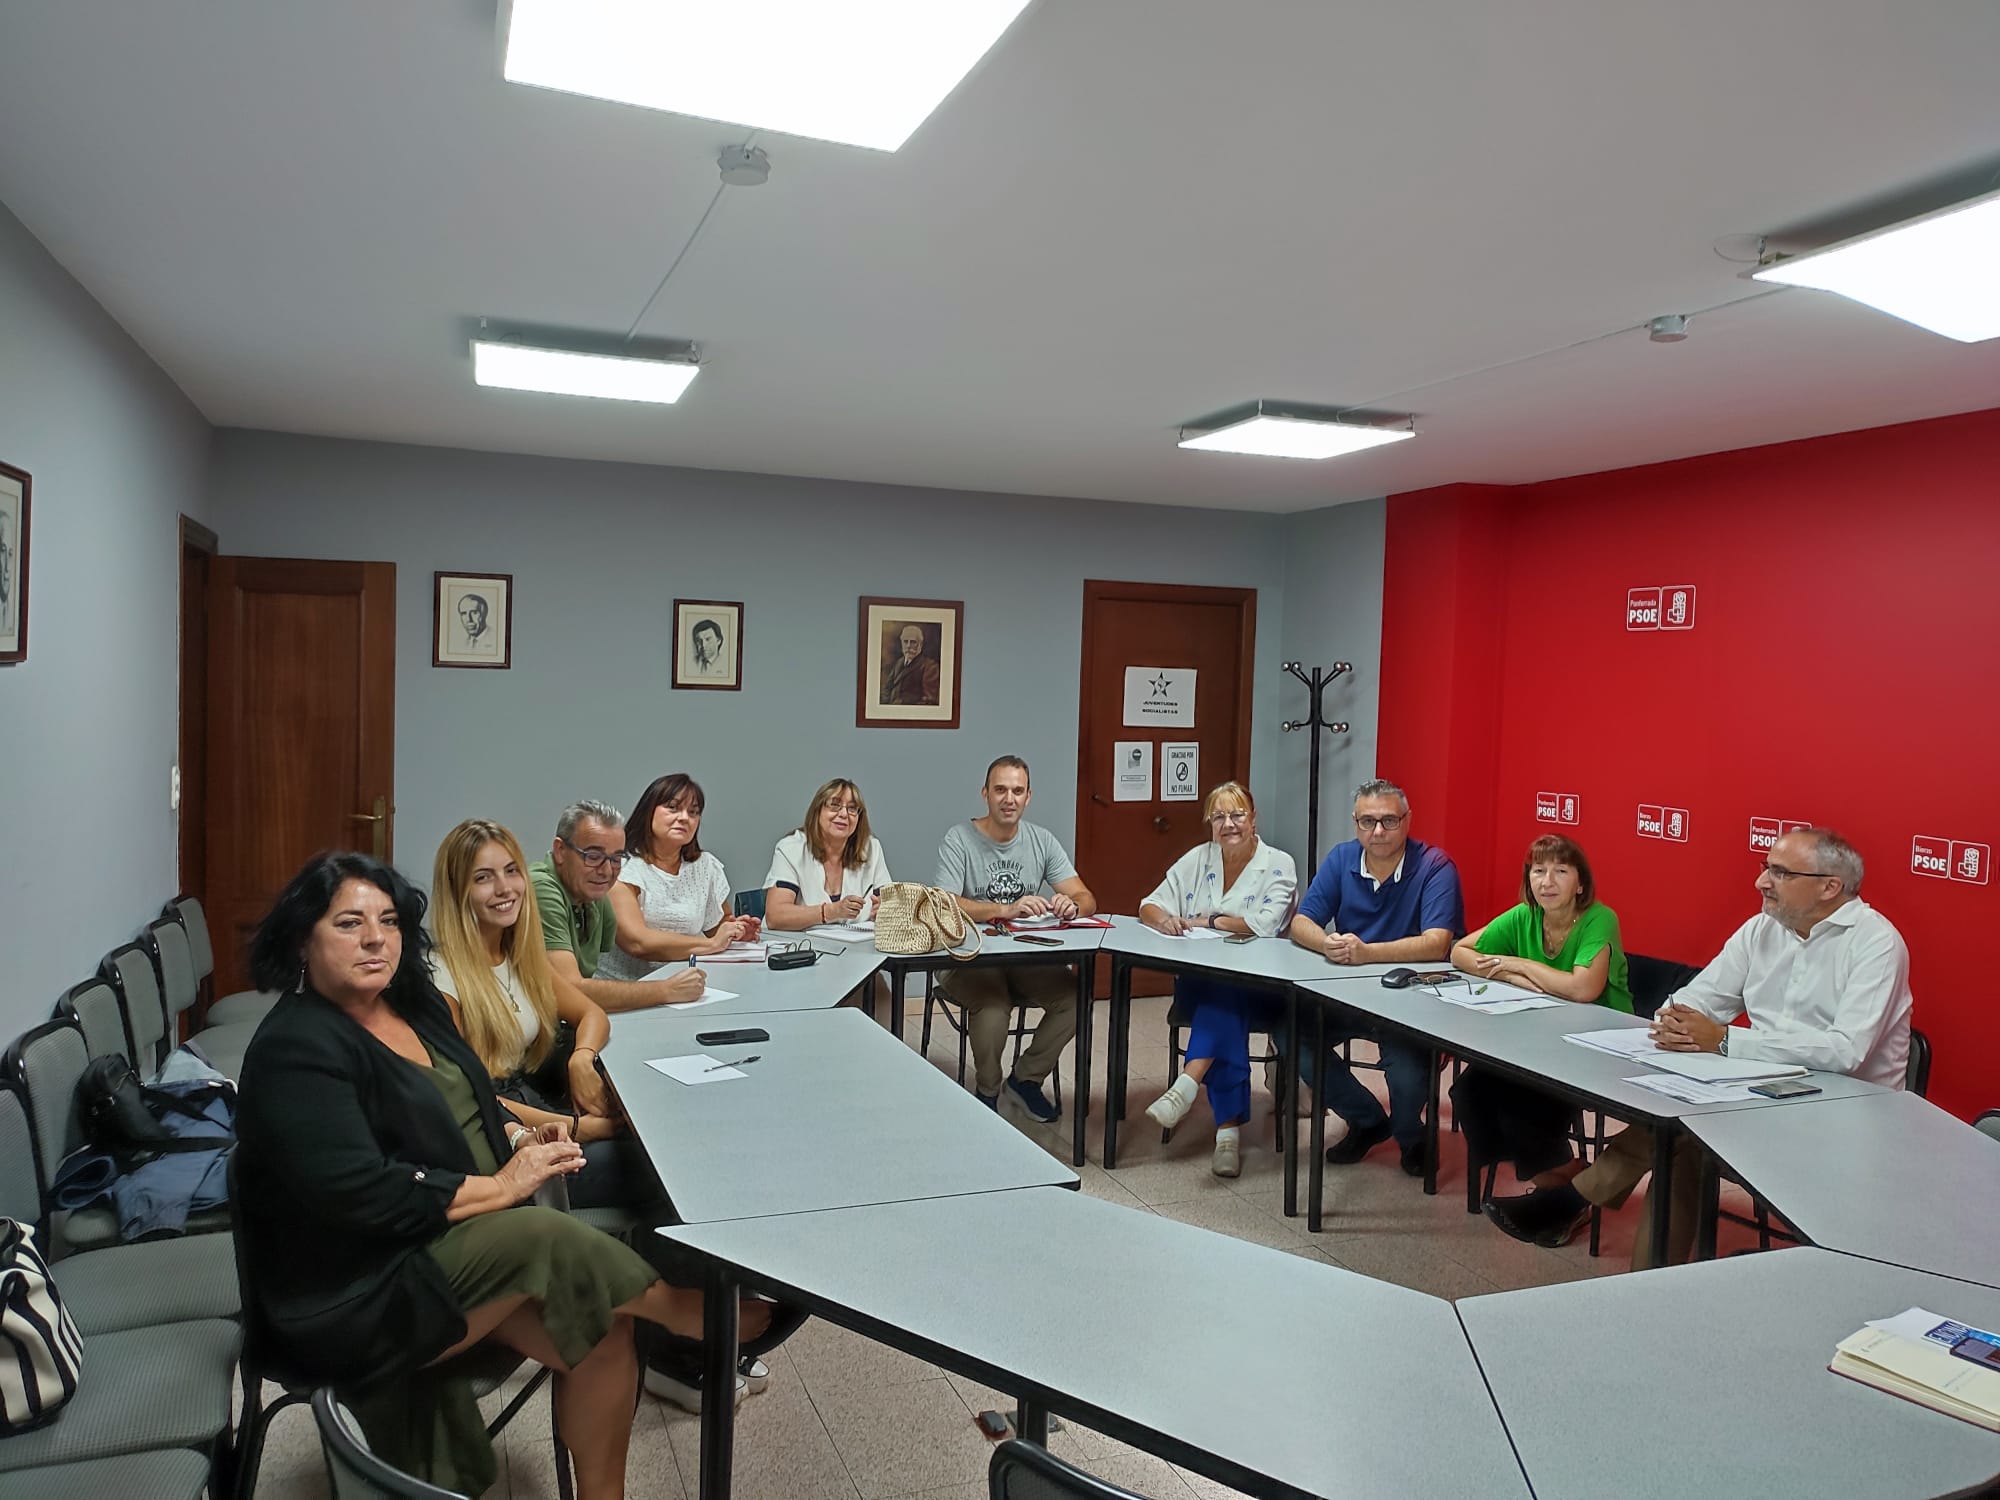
(758, 987)
(1888, 1176)
(1348, 1386)
(1712, 1379)
(835, 1112)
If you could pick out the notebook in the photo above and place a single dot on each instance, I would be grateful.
(1923, 1370)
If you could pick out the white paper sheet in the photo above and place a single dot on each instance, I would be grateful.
(1132, 771)
(845, 932)
(1194, 932)
(1636, 1043)
(1504, 1006)
(1159, 697)
(739, 953)
(697, 1068)
(1619, 1041)
(1923, 1325)
(1692, 1091)
(1180, 773)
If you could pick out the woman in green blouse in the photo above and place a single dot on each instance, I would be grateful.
(1560, 941)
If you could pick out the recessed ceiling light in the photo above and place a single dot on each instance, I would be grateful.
(1288, 431)
(580, 372)
(862, 72)
(1940, 271)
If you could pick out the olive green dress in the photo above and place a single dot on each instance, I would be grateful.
(427, 1422)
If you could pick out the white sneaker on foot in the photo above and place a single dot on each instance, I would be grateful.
(1228, 1153)
(1172, 1107)
(756, 1374)
(685, 1394)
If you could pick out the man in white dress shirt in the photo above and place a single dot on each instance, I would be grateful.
(1824, 980)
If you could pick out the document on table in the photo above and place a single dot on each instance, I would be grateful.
(1636, 1043)
(708, 996)
(1491, 997)
(739, 953)
(846, 932)
(1692, 1091)
(1194, 932)
(697, 1068)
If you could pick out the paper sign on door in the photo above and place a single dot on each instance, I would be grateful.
(1180, 773)
(1160, 696)
(1132, 779)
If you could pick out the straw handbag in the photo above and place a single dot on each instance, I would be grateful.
(922, 919)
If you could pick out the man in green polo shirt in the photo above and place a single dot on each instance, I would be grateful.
(573, 895)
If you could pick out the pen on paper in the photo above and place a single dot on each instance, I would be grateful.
(741, 1062)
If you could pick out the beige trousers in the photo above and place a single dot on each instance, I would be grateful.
(988, 997)
(1625, 1160)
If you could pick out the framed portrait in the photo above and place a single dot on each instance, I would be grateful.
(708, 644)
(472, 620)
(14, 495)
(909, 673)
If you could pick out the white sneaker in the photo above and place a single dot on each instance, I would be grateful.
(1172, 1107)
(755, 1373)
(685, 1395)
(1228, 1154)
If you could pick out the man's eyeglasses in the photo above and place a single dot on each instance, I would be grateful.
(1388, 825)
(595, 857)
(1779, 872)
(1221, 818)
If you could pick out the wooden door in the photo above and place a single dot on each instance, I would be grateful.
(302, 728)
(1123, 848)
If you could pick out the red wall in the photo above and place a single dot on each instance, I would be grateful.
(1843, 668)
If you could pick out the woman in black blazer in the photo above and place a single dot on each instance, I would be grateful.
(383, 1199)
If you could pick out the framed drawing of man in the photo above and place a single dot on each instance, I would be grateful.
(909, 668)
(15, 489)
(472, 620)
(708, 644)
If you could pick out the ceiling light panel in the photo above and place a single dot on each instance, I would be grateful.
(1294, 437)
(1941, 272)
(861, 72)
(565, 372)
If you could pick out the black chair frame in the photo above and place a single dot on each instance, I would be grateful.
(1051, 1475)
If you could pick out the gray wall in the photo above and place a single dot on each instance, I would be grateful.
(88, 722)
(1332, 612)
(599, 551)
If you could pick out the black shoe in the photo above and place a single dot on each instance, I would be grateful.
(1413, 1160)
(1529, 1217)
(1357, 1143)
(1563, 1230)
(1033, 1100)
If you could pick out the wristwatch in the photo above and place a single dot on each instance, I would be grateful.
(1211, 919)
(1722, 1042)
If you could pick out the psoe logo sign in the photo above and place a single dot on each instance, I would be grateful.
(1951, 859)
(1668, 823)
(1556, 807)
(1765, 832)
(1669, 607)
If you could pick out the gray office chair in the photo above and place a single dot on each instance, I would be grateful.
(1024, 1471)
(352, 1471)
(95, 1009)
(155, 1476)
(1988, 1124)
(166, 942)
(224, 1010)
(131, 973)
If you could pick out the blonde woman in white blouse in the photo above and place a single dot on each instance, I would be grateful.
(830, 868)
(1237, 884)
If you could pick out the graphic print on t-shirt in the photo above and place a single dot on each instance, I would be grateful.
(1004, 886)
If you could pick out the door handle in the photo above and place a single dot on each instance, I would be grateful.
(1099, 800)
(380, 818)
(1160, 824)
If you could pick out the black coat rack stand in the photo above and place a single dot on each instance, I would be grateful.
(1317, 682)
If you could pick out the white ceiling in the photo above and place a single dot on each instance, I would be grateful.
(1134, 213)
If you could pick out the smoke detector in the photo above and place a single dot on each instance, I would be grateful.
(744, 166)
(1668, 328)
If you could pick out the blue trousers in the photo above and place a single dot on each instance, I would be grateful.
(1409, 1082)
(1220, 1019)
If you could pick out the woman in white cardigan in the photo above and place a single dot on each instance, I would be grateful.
(1237, 884)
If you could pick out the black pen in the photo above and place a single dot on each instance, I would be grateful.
(741, 1062)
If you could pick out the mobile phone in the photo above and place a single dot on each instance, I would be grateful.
(1981, 1353)
(1241, 937)
(1784, 1088)
(732, 1038)
(1039, 942)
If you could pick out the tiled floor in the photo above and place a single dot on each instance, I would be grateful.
(848, 1418)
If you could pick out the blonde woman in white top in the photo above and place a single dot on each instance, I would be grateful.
(1236, 884)
(830, 868)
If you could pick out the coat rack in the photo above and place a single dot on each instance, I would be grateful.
(1320, 679)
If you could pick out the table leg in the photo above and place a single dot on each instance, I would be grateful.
(1316, 1152)
(898, 977)
(1431, 1126)
(718, 1374)
(1079, 1084)
(1289, 1122)
(1114, 1055)
(1662, 1188)
(1709, 1212)
(1032, 1422)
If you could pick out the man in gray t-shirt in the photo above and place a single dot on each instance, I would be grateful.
(998, 867)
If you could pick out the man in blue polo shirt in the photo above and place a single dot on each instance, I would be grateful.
(1380, 898)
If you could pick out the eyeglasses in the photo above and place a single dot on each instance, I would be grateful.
(1388, 825)
(1779, 872)
(852, 809)
(1228, 817)
(595, 857)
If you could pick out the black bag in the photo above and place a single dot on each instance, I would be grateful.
(121, 1115)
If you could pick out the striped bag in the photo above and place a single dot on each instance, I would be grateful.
(40, 1352)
